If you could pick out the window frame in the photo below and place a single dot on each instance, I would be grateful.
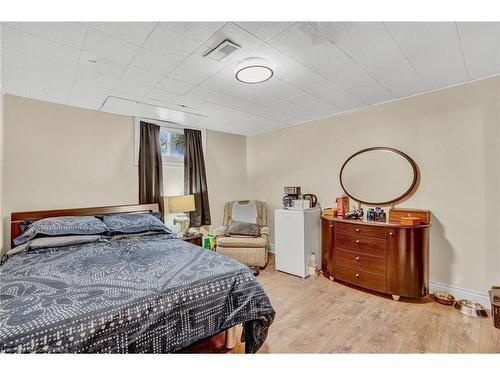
(167, 125)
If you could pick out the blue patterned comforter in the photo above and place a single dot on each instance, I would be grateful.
(149, 294)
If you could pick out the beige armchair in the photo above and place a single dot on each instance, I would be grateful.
(251, 251)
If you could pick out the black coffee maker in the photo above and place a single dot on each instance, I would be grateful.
(291, 193)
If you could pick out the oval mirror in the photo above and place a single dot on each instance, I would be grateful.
(378, 176)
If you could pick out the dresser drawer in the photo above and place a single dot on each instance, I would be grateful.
(362, 230)
(360, 261)
(359, 244)
(360, 278)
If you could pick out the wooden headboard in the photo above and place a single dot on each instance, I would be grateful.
(16, 218)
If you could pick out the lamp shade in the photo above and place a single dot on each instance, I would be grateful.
(181, 203)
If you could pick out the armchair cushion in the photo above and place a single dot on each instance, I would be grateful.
(220, 231)
(248, 211)
(243, 229)
(242, 241)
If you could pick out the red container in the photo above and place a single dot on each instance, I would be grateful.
(342, 205)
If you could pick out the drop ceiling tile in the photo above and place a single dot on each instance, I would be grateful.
(197, 68)
(285, 67)
(12, 59)
(329, 61)
(481, 46)
(247, 106)
(192, 101)
(124, 95)
(371, 46)
(148, 60)
(11, 38)
(233, 121)
(100, 65)
(87, 96)
(94, 79)
(195, 31)
(119, 106)
(109, 47)
(321, 88)
(134, 32)
(49, 50)
(300, 97)
(333, 82)
(69, 33)
(265, 30)
(138, 91)
(175, 86)
(434, 49)
(13, 25)
(157, 96)
(297, 111)
(224, 82)
(169, 43)
(298, 39)
(49, 88)
(38, 65)
(15, 81)
(141, 76)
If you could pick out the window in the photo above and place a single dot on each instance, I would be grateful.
(171, 141)
(172, 145)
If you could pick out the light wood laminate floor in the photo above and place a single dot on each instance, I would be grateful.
(316, 315)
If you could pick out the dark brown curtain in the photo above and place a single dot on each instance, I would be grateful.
(150, 166)
(195, 179)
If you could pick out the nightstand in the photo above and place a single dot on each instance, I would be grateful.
(194, 238)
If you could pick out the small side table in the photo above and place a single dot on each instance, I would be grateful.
(195, 238)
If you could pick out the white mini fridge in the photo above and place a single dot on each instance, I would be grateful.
(296, 235)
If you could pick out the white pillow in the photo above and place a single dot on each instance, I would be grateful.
(245, 212)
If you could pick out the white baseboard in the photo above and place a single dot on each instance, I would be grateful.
(461, 293)
(458, 293)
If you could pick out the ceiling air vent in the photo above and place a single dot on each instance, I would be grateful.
(222, 50)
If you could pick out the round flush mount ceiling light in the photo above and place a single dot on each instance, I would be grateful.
(254, 70)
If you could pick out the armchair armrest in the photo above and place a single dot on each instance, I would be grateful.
(220, 231)
(264, 231)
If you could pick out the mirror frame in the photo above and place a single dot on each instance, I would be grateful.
(390, 149)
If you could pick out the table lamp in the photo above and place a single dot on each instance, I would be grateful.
(180, 204)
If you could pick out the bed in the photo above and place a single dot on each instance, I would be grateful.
(152, 293)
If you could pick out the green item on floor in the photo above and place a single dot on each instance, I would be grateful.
(209, 241)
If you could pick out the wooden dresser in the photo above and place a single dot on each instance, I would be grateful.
(385, 257)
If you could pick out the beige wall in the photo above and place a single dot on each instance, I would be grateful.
(226, 165)
(452, 134)
(59, 156)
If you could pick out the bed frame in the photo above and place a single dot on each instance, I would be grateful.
(16, 218)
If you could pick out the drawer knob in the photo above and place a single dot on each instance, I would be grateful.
(358, 258)
(358, 230)
(358, 241)
(357, 275)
